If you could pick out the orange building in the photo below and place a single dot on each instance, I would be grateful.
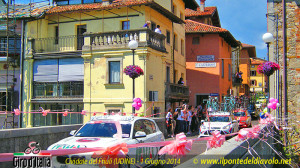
(258, 81)
(247, 52)
(208, 61)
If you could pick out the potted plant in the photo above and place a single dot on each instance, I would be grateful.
(133, 71)
(268, 68)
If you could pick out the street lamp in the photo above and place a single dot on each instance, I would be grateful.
(268, 38)
(133, 45)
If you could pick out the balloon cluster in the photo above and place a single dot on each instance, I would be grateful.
(273, 103)
(137, 103)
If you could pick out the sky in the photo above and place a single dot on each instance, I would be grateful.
(245, 19)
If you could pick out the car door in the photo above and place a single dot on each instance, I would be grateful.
(141, 152)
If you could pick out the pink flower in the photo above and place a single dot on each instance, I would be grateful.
(65, 113)
(17, 112)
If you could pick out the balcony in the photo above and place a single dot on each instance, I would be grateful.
(237, 81)
(120, 39)
(95, 41)
(176, 92)
(56, 44)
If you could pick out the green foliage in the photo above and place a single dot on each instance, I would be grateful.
(142, 115)
(292, 150)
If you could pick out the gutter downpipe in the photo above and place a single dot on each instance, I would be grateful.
(21, 73)
(284, 67)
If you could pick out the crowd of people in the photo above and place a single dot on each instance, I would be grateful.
(185, 119)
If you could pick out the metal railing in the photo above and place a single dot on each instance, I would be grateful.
(57, 44)
(176, 91)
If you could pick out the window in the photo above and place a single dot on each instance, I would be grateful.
(222, 68)
(153, 26)
(174, 10)
(149, 127)
(58, 89)
(80, 38)
(153, 95)
(168, 37)
(196, 40)
(182, 47)
(57, 119)
(229, 72)
(252, 73)
(125, 25)
(181, 16)
(110, 111)
(114, 72)
(253, 82)
(168, 74)
(56, 35)
(175, 42)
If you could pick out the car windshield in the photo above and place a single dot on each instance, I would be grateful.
(219, 119)
(103, 130)
(237, 114)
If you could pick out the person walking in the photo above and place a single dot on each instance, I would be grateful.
(169, 121)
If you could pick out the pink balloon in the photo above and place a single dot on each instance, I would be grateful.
(277, 104)
(134, 104)
(270, 105)
(274, 106)
(138, 100)
(139, 104)
(276, 100)
(135, 99)
(137, 108)
(271, 100)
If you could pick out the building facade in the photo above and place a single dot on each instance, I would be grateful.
(288, 49)
(247, 52)
(209, 65)
(75, 56)
(258, 82)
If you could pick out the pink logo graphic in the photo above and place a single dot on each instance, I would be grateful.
(33, 147)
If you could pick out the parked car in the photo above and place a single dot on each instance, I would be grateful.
(262, 99)
(218, 121)
(252, 111)
(103, 131)
(243, 117)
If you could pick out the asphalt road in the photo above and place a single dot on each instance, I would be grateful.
(198, 148)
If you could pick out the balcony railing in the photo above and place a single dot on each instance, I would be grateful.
(120, 39)
(176, 91)
(57, 44)
(107, 40)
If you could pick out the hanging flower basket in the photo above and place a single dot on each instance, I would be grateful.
(133, 71)
(268, 68)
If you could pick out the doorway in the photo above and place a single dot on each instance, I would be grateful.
(80, 38)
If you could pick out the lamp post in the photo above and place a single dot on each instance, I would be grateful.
(133, 45)
(268, 38)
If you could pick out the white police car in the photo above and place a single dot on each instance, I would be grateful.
(103, 131)
(218, 121)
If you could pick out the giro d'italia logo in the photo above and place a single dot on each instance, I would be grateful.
(32, 157)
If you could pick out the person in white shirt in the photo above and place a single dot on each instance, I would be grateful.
(169, 121)
(157, 30)
(190, 114)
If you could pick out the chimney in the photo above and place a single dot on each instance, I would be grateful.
(202, 5)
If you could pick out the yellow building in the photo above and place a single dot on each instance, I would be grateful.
(75, 56)
(257, 81)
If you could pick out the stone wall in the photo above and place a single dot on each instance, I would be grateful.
(293, 50)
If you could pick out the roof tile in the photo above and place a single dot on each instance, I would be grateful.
(207, 11)
(193, 27)
(93, 6)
